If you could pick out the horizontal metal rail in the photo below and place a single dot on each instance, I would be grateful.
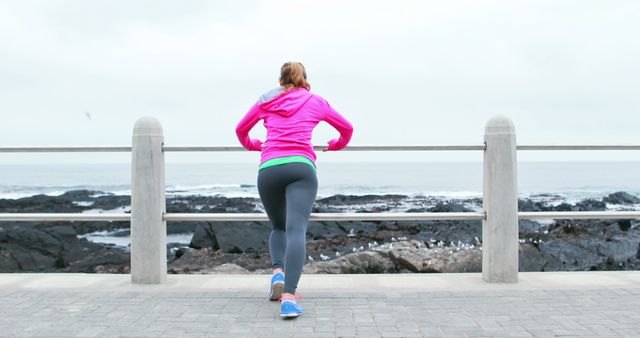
(53, 149)
(348, 148)
(44, 149)
(64, 149)
(363, 216)
(358, 216)
(66, 217)
(579, 147)
(580, 215)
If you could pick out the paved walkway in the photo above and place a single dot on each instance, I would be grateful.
(541, 304)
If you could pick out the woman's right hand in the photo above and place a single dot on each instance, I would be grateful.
(331, 143)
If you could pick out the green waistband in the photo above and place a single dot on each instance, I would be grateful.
(286, 159)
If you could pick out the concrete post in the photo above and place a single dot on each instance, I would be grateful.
(500, 202)
(148, 230)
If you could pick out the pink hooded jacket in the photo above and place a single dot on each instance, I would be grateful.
(290, 118)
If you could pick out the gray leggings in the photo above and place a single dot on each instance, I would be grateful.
(288, 192)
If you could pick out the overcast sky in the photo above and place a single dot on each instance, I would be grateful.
(403, 72)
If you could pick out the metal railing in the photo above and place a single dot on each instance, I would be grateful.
(165, 148)
(148, 210)
(325, 216)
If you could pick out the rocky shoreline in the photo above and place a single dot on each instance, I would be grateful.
(332, 247)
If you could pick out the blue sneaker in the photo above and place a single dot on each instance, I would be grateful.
(289, 308)
(277, 286)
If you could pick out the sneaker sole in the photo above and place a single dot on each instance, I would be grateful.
(277, 289)
(290, 315)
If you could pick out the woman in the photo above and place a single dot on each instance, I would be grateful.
(287, 181)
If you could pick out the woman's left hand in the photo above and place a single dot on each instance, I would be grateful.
(256, 144)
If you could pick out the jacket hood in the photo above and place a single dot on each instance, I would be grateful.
(284, 103)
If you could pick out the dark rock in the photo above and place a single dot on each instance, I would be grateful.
(181, 227)
(529, 205)
(530, 258)
(79, 195)
(31, 239)
(590, 205)
(27, 248)
(39, 203)
(85, 227)
(212, 204)
(624, 224)
(450, 231)
(111, 201)
(16, 258)
(418, 258)
(449, 207)
(196, 260)
(585, 205)
(375, 209)
(234, 250)
(204, 237)
(360, 262)
(360, 199)
(528, 226)
(101, 261)
(563, 207)
(179, 252)
(422, 209)
(587, 245)
(621, 197)
(324, 229)
(325, 209)
(241, 235)
(62, 232)
(404, 256)
(389, 225)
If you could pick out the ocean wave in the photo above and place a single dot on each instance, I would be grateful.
(17, 192)
(244, 190)
(184, 187)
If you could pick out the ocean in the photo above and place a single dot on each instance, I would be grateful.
(571, 180)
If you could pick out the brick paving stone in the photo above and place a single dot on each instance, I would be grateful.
(490, 312)
(91, 331)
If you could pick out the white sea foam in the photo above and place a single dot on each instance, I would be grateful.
(83, 203)
(124, 241)
(118, 210)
